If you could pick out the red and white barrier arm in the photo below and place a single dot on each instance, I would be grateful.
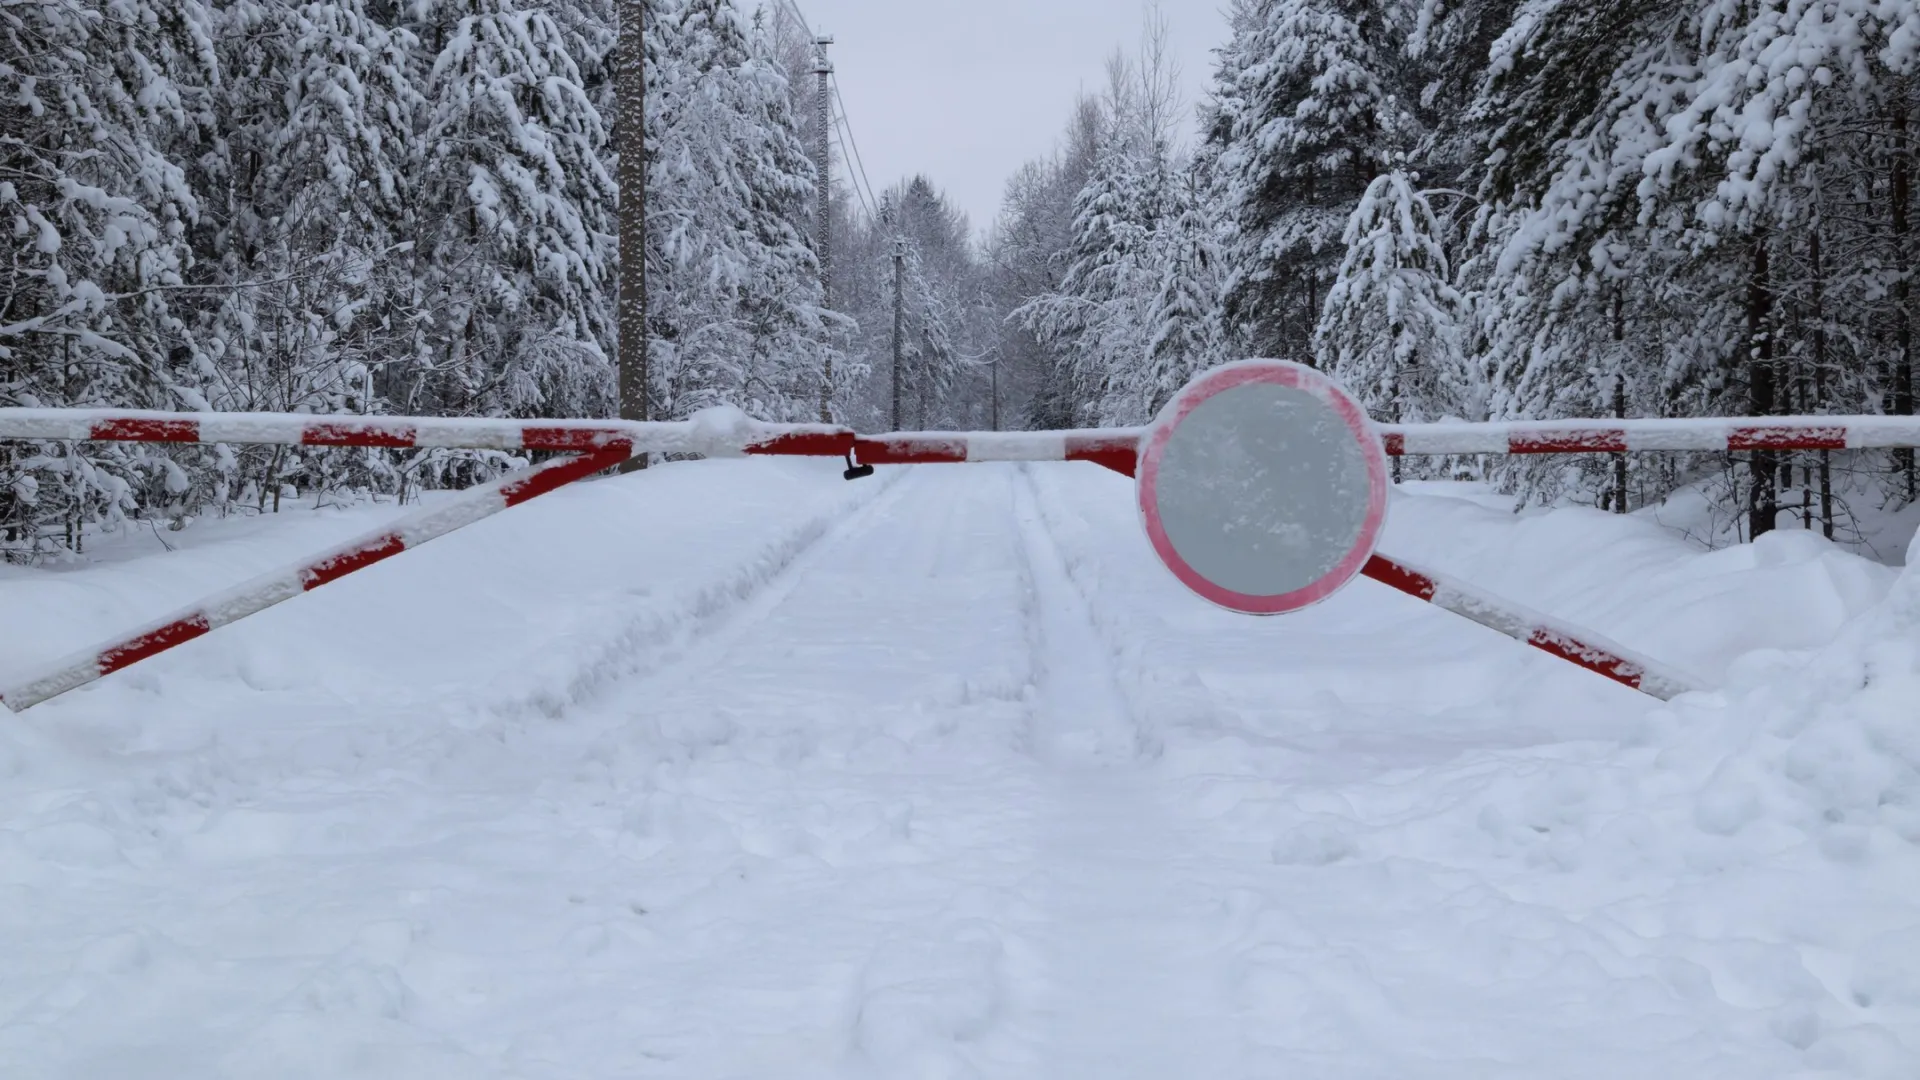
(715, 432)
(269, 589)
(1117, 448)
(1621, 436)
(1549, 635)
(726, 432)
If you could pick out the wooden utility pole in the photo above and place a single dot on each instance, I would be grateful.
(899, 318)
(823, 194)
(630, 137)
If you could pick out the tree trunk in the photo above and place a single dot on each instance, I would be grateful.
(899, 320)
(1783, 406)
(630, 136)
(995, 391)
(1819, 403)
(1761, 499)
(1804, 395)
(1619, 398)
(1901, 192)
(1313, 313)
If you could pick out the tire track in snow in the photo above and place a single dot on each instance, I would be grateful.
(721, 627)
(718, 613)
(1123, 949)
(1082, 715)
(828, 809)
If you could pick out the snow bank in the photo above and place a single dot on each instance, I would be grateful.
(1641, 584)
(1837, 752)
(1863, 522)
(532, 610)
(1730, 881)
(1625, 578)
(1759, 850)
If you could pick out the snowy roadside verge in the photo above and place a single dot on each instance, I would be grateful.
(1759, 852)
(1625, 578)
(529, 611)
(1728, 880)
(1643, 584)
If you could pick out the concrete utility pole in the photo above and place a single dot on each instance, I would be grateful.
(899, 317)
(823, 192)
(630, 135)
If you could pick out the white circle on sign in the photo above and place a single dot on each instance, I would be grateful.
(1263, 486)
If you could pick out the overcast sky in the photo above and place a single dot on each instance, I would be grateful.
(967, 90)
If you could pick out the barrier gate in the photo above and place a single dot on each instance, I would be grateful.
(1262, 486)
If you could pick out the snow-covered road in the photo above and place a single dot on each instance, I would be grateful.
(733, 770)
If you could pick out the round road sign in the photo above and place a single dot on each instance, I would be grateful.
(1263, 486)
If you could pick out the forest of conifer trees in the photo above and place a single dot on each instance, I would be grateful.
(1488, 209)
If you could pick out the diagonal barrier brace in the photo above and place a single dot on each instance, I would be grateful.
(1587, 650)
(273, 588)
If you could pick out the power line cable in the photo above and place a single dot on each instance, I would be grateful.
(847, 120)
(850, 146)
(848, 153)
(857, 193)
(802, 16)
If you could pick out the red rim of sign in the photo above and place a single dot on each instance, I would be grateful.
(1281, 373)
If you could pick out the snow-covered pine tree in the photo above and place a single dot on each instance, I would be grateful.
(1309, 102)
(1093, 313)
(516, 220)
(303, 269)
(1027, 254)
(1184, 320)
(737, 303)
(99, 109)
(1682, 185)
(1101, 312)
(1391, 331)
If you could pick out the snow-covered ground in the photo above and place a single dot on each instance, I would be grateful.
(733, 769)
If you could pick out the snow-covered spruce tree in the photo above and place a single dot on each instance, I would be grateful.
(949, 330)
(1098, 312)
(1691, 186)
(98, 108)
(930, 367)
(1129, 226)
(736, 302)
(304, 271)
(1027, 253)
(514, 215)
(1184, 319)
(1391, 331)
(1309, 102)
